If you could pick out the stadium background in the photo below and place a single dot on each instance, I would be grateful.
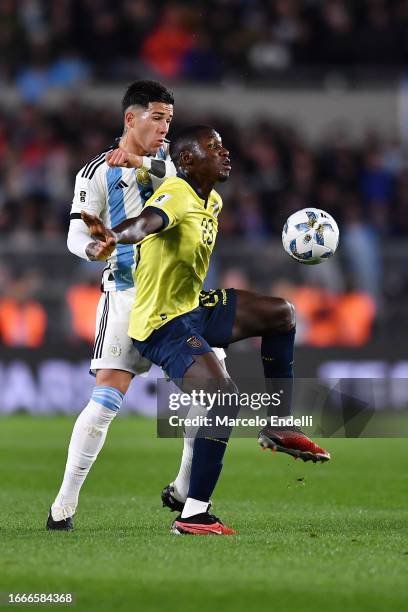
(311, 100)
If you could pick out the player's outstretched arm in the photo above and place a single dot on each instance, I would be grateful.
(161, 168)
(80, 244)
(100, 251)
(97, 228)
(134, 230)
(104, 240)
(130, 231)
(122, 158)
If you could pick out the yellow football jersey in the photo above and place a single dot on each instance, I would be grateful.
(173, 263)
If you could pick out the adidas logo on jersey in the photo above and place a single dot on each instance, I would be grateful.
(121, 185)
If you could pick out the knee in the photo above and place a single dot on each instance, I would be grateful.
(229, 404)
(232, 387)
(228, 386)
(287, 318)
(118, 379)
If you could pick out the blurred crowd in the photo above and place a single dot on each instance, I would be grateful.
(47, 44)
(275, 172)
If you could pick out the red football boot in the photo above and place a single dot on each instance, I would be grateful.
(200, 524)
(292, 441)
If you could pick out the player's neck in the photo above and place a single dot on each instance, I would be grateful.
(206, 189)
(203, 189)
(131, 146)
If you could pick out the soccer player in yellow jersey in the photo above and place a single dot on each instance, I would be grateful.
(177, 231)
(180, 254)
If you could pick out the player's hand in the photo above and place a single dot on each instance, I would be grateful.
(100, 251)
(121, 158)
(97, 228)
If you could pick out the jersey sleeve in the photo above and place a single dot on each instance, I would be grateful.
(171, 204)
(160, 168)
(89, 194)
(78, 238)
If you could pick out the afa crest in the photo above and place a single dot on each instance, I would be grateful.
(143, 176)
(115, 349)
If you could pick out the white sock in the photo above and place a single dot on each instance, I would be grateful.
(182, 482)
(193, 506)
(87, 439)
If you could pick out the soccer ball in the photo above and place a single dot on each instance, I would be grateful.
(310, 236)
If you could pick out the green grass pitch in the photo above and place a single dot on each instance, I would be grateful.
(328, 537)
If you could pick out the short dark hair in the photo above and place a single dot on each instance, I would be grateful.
(185, 139)
(143, 92)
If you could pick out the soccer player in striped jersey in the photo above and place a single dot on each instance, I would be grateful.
(115, 186)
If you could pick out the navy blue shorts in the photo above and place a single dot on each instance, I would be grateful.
(173, 346)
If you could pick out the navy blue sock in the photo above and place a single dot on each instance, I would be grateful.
(208, 453)
(206, 466)
(277, 360)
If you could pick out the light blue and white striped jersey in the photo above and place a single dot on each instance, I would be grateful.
(116, 194)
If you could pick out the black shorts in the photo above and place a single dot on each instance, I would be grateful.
(173, 346)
